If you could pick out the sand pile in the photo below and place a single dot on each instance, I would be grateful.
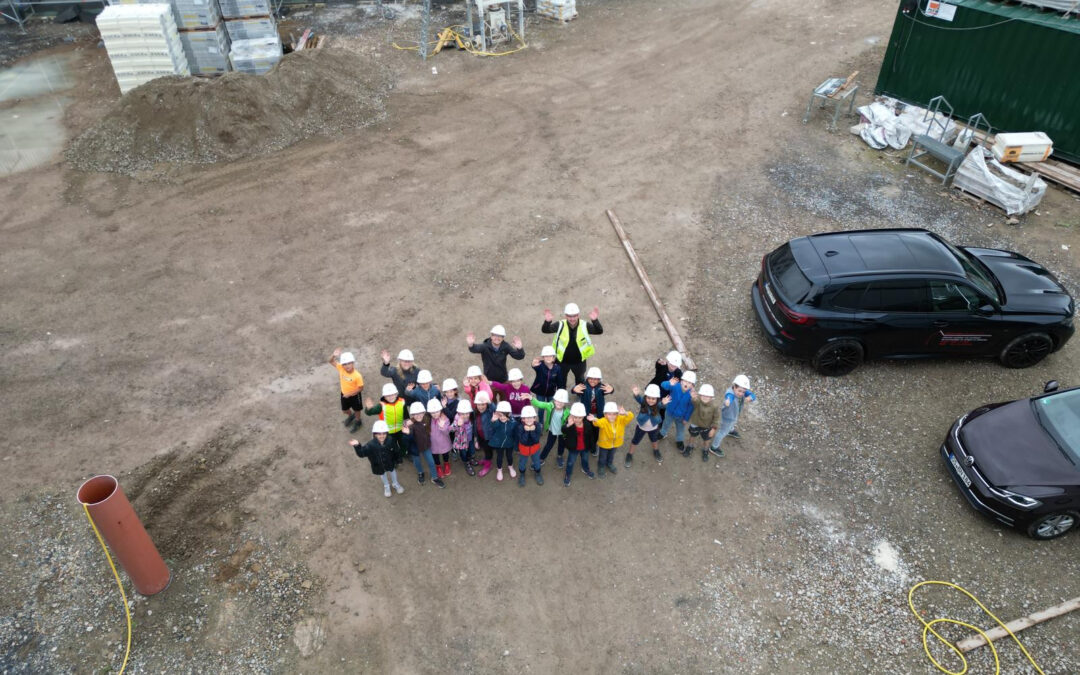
(314, 92)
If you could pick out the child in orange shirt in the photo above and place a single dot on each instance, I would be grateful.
(352, 386)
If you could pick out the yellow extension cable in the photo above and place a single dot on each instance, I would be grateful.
(467, 44)
(928, 628)
(127, 612)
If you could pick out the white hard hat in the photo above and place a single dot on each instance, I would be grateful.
(464, 407)
(689, 376)
(405, 355)
(547, 350)
(423, 377)
(346, 357)
(652, 391)
(380, 427)
(448, 384)
(674, 358)
(497, 329)
(503, 407)
(389, 388)
(594, 373)
(578, 409)
(417, 408)
(528, 411)
(611, 407)
(482, 397)
(433, 406)
(474, 371)
(571, 309)
(515, 374)
(706, 390)
(562, 396)
(742, 381)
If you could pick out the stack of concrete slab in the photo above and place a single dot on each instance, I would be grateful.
(189, 14)
(251, 28)
(255, 56)
(207, 50)
(143, 43)
(560, 10)
(238, 9)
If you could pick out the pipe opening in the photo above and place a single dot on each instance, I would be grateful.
(97, 490)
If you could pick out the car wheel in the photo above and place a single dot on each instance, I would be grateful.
(838, 357)
(1026, 350)
(1053, 525)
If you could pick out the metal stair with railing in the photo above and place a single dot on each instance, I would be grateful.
(933, 143)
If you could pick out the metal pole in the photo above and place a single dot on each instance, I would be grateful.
(425, 27)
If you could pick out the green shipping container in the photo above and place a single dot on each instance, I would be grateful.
(1017, 65)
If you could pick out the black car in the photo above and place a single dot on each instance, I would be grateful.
(1019, 462)
(840, 297)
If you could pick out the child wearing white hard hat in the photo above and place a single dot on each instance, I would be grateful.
(527, 432)
(513, 391)
(417, 429)
(556, 418)
(704, 421)
(546, 376)
(391, 409)
(449, 398)
(439, 428)
(573, 340)
(493, 352)
(352, 387)
(463, 442)
(648, 421)
(474, 383)
(611, 430)
(404, 374)
(680, 407)
(382, 454)
(483, 411)
(735, 398)
(577, 446)
(499, 429)
(591, 394)
(425, 389)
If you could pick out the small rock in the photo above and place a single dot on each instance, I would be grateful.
(305, 584)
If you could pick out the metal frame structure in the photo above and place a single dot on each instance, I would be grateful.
(20, 11)
(483, 6)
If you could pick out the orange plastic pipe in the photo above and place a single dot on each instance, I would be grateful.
(124, 533)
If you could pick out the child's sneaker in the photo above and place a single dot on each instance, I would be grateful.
(356, 425)
(512, 472)
(629, 461)
(349, 419)
(611, 468)
(386, 490)
(657, 456)
(734, 434)
(400, 490)
(498, 475)
(566, 482)
(705, 455)
(600, 471)
(521, 479)
(539, 479)
(420, 478)
(590, 474)
(684, 452)
(469, 469)
(719, 452)
(679, 445)
(560, 462)
(689, 449)
(439, 482)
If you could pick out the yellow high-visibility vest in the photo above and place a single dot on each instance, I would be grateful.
(584, 342)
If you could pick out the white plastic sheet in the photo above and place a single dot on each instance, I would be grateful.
(1013, 191)
(884, 128)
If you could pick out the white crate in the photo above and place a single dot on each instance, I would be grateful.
(1034, 146)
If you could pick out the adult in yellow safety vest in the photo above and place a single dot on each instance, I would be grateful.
(573, 340)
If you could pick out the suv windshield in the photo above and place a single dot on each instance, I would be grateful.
(974, 270)
(786, 274)
(1059, 414)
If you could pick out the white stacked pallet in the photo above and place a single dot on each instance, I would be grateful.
(207, 51)
(256, 56)
(188, 13)
(252, 28)
(560, 10)
(142, 42)
(235, 9)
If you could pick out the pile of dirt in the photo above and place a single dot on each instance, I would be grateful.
(177, 120)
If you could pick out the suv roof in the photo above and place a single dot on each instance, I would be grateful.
(842, 254)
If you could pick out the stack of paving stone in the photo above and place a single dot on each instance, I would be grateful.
(143, 43)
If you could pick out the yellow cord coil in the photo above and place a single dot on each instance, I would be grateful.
(123, 596)
(928, 627)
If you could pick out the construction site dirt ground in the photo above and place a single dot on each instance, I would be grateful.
(172, 329)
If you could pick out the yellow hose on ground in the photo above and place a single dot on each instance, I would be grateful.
(928, 627)
(127, 611)
(466, 43)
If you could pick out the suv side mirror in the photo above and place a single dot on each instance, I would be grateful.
(985, 310)
(1052, 385)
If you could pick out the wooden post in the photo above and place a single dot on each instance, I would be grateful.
(664, 318)
(1018, 625)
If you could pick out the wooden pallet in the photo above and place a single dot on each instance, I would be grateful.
(1061, 173)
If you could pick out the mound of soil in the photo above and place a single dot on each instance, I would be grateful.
(201, 121)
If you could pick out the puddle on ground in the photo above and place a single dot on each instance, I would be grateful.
(32, 110)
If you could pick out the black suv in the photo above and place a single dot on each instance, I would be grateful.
(840, 297)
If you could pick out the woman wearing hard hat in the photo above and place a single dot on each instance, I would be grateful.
(493, 352)
(573, 342)
(404, 374)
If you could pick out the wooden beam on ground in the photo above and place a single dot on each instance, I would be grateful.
(845, 85)
(1019, 624)
(672, 332)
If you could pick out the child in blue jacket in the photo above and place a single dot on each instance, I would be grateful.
(649, 420)
(680, 407)
(591, 394)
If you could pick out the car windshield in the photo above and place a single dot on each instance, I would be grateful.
(1059, 414)
(975, 271)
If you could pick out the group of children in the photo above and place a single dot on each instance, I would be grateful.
(485, 422)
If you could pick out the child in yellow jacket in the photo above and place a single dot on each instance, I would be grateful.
(612, 431)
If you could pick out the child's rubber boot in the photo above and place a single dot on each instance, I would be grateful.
(539, 479)
(446, 468)
(485, 468)
(521, 479)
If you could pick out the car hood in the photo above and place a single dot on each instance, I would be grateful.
(1029, 287)
(1010, 447)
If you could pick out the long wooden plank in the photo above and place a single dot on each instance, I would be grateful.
(672, 332)
(1020, 624)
